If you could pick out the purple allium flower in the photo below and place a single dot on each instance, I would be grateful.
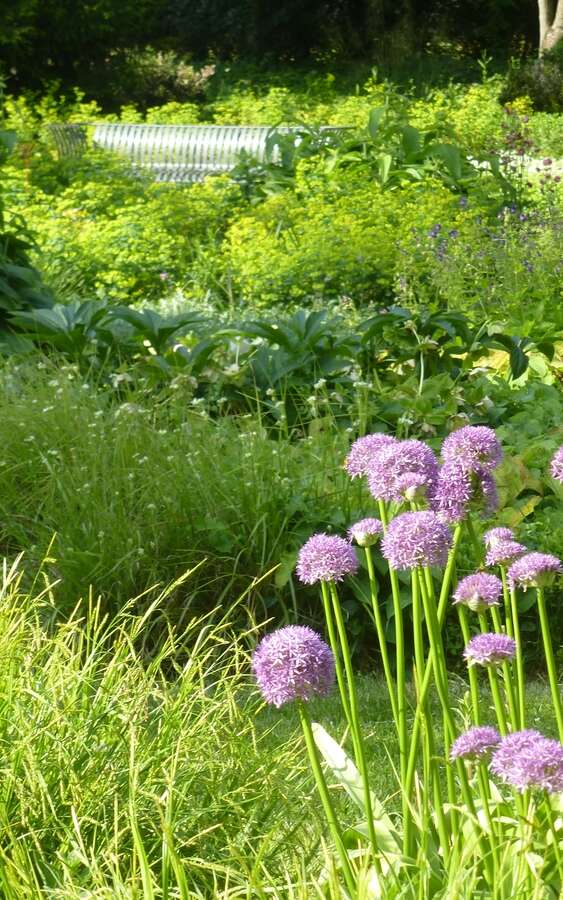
(325, 557)
(400, 467)
(293, 663)
(412, 486)
(494, 535)
(489, 649)
(527, 759)
(416, 539)
(502, 553)
(556, 465)
(478, 591)
(473, 446)
(476, 743)
(534, 570)
(459, 488)
(365, 532)
(363, 450)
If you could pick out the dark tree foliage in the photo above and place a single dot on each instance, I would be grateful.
(74, 40)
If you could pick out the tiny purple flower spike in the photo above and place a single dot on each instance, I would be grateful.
(293, 663)
(365, 532)
(489, 649)
(528, 760)
(475, 744)
(556, 466)
(402, 468)
(479, 591)
(534, 570)
(325, 557)
(502, 553)
(363, 450)
(473, 446)
(416, 539)
(494, 535)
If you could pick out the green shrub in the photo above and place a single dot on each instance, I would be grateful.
(329, 240)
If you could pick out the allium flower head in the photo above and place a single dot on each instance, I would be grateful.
(534, 570)
(502, 553)
(556, 465)
(400, 467)
(365, 532)
(325, 557)
(459, 489)
(293, 663)
(478, 591)
(527, 759)
(416, 539)
(494, 535)
(476, 743)
(473, 446)
(363, 450)
(489, 649)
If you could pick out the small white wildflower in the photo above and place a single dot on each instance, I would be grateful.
(47, 409)
(318, 385)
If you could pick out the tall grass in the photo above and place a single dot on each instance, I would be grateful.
(137, 489)
(124, 776)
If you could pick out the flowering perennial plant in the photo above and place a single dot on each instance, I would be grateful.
(479, 591)
(534, 570)
(489, 649)
(325, 557)
(472, 823)
(365, 532)
(416, 539)
(293, 663)
(527, 759)
(556, 466)
(477, 743)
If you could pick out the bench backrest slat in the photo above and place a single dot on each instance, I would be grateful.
(174, 152)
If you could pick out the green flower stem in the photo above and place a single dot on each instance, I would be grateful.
(483, 783)
(441, 681)
(448, 575)
(326, 800)
(340, 677)
(516, 710)
(507, 605)
(355, 719)
(380, 628)
(519, 657)
(401, 678)
(473, 685)
(550, 661)
(555, 836)
(495, 689)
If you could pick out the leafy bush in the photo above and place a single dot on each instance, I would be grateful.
(540, 79)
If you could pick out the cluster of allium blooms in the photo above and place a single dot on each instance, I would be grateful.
(475, 448)
(293, 663)
(556, 465)
(534, 570)
(363, 451)
(478, 591)
(489, 649)
(365, 532)
(475, 744)
(470, 454)
(459, 488)
(416, 539)
(527, 759)
(502, 553)
(325, 557)
(403, 470)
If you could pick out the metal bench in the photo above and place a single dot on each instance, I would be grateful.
(182, 153)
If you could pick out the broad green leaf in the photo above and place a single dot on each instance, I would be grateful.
(348, 776)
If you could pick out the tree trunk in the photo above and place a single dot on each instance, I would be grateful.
(551, 24)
